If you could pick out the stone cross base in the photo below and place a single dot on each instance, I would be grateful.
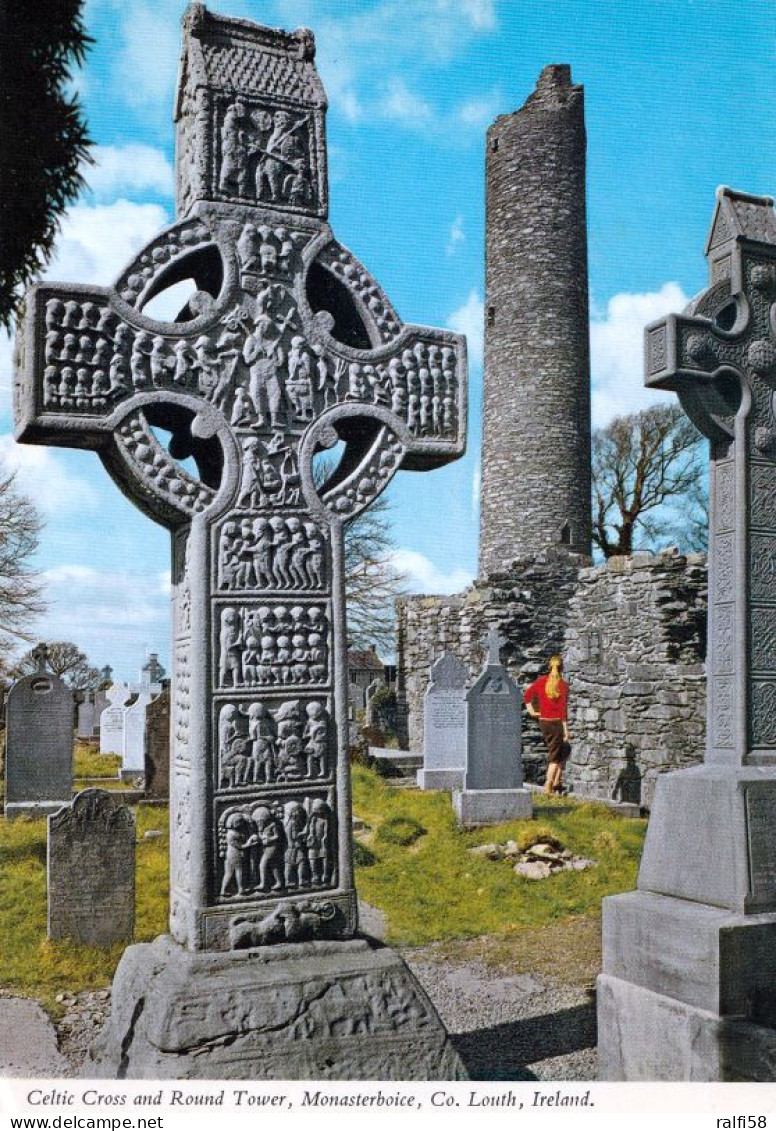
(441, 778)
(687, 993)
(492, 806)
(32, 809)
(316, 1010)
(689, 959)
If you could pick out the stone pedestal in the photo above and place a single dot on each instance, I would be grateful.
(689, 959)
(492, 806)
(440, 779)
(315, 1010)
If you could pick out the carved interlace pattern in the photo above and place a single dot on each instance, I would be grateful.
(763, 714)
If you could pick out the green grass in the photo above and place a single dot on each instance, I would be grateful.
(433, 889)
(412, 864)
(32, 964)
(89, 763)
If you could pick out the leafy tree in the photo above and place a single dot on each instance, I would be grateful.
(44, 137)
(648, 482)
(372, 581)
(20, 586)
(67, 661)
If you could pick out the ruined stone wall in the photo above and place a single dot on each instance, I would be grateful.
(536, 400)
(635, 650)
(633, 634)
(528, 604)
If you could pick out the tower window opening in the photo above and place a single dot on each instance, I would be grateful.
(565, 535)
(491, 316)
(494, 145)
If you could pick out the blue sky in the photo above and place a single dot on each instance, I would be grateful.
(680, 97)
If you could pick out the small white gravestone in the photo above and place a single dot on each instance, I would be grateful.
(444, 725)
(112, 719)
(133, 751)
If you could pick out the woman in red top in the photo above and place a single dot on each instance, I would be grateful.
(547, 700)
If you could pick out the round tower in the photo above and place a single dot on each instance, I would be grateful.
(536, 406)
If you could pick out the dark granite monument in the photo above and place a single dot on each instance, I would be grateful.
(157, 748)
(287, 347)
(91, 870)
(38, 742)
(689, 958)
(493, 788)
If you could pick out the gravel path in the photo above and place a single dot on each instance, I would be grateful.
(513, 1027)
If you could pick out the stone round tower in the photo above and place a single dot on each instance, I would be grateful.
(536, 409)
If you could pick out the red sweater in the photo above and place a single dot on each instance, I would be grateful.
(548, 708)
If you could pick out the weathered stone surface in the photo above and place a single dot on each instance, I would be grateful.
(326, 1011)
(536, 399)
(444, 725)
(287, 347)
(157, 747)
(709, 846)
(91, 870)
(85, 717)
(38, 742)
(493, 779)
(606, 622)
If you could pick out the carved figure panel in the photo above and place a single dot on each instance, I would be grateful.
(263, 743)
(272, 646)
(270, 554)
(278, 845)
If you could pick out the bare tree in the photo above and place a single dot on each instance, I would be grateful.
(20, 586)
(648, 482)
(372, 581)
(67, 661)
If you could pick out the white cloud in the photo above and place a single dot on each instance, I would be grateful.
(97, 241)
(405, 106)
(468, 320)
(127, 169)
(481, 14)
(115, 617)
(617, 351)
(479, 112)
(41, 473)
(148, 62)
(456, 236)
(422, 576)
(476, 489)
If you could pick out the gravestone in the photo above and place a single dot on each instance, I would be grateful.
(85, 716)
(493, 788)
(100, 703)
(689, 958)
(371, 714)
(112, 719)
(444, 725)
(287, 347)
(91, 870)
(38, 742)
(157, 748)
(133, 748)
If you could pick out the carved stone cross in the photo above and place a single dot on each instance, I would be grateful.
(720, 357)
(285, 347)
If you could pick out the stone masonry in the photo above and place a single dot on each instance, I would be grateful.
(635, 645)
(536, 405)
(633, 632)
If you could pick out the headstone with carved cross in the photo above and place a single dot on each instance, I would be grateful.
(493, 788)
(38, 742)
(690, 957)
(286, 347)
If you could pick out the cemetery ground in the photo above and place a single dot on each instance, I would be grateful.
(509, 962)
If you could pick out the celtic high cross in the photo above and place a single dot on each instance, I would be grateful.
(286, 347)
(720, 357)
